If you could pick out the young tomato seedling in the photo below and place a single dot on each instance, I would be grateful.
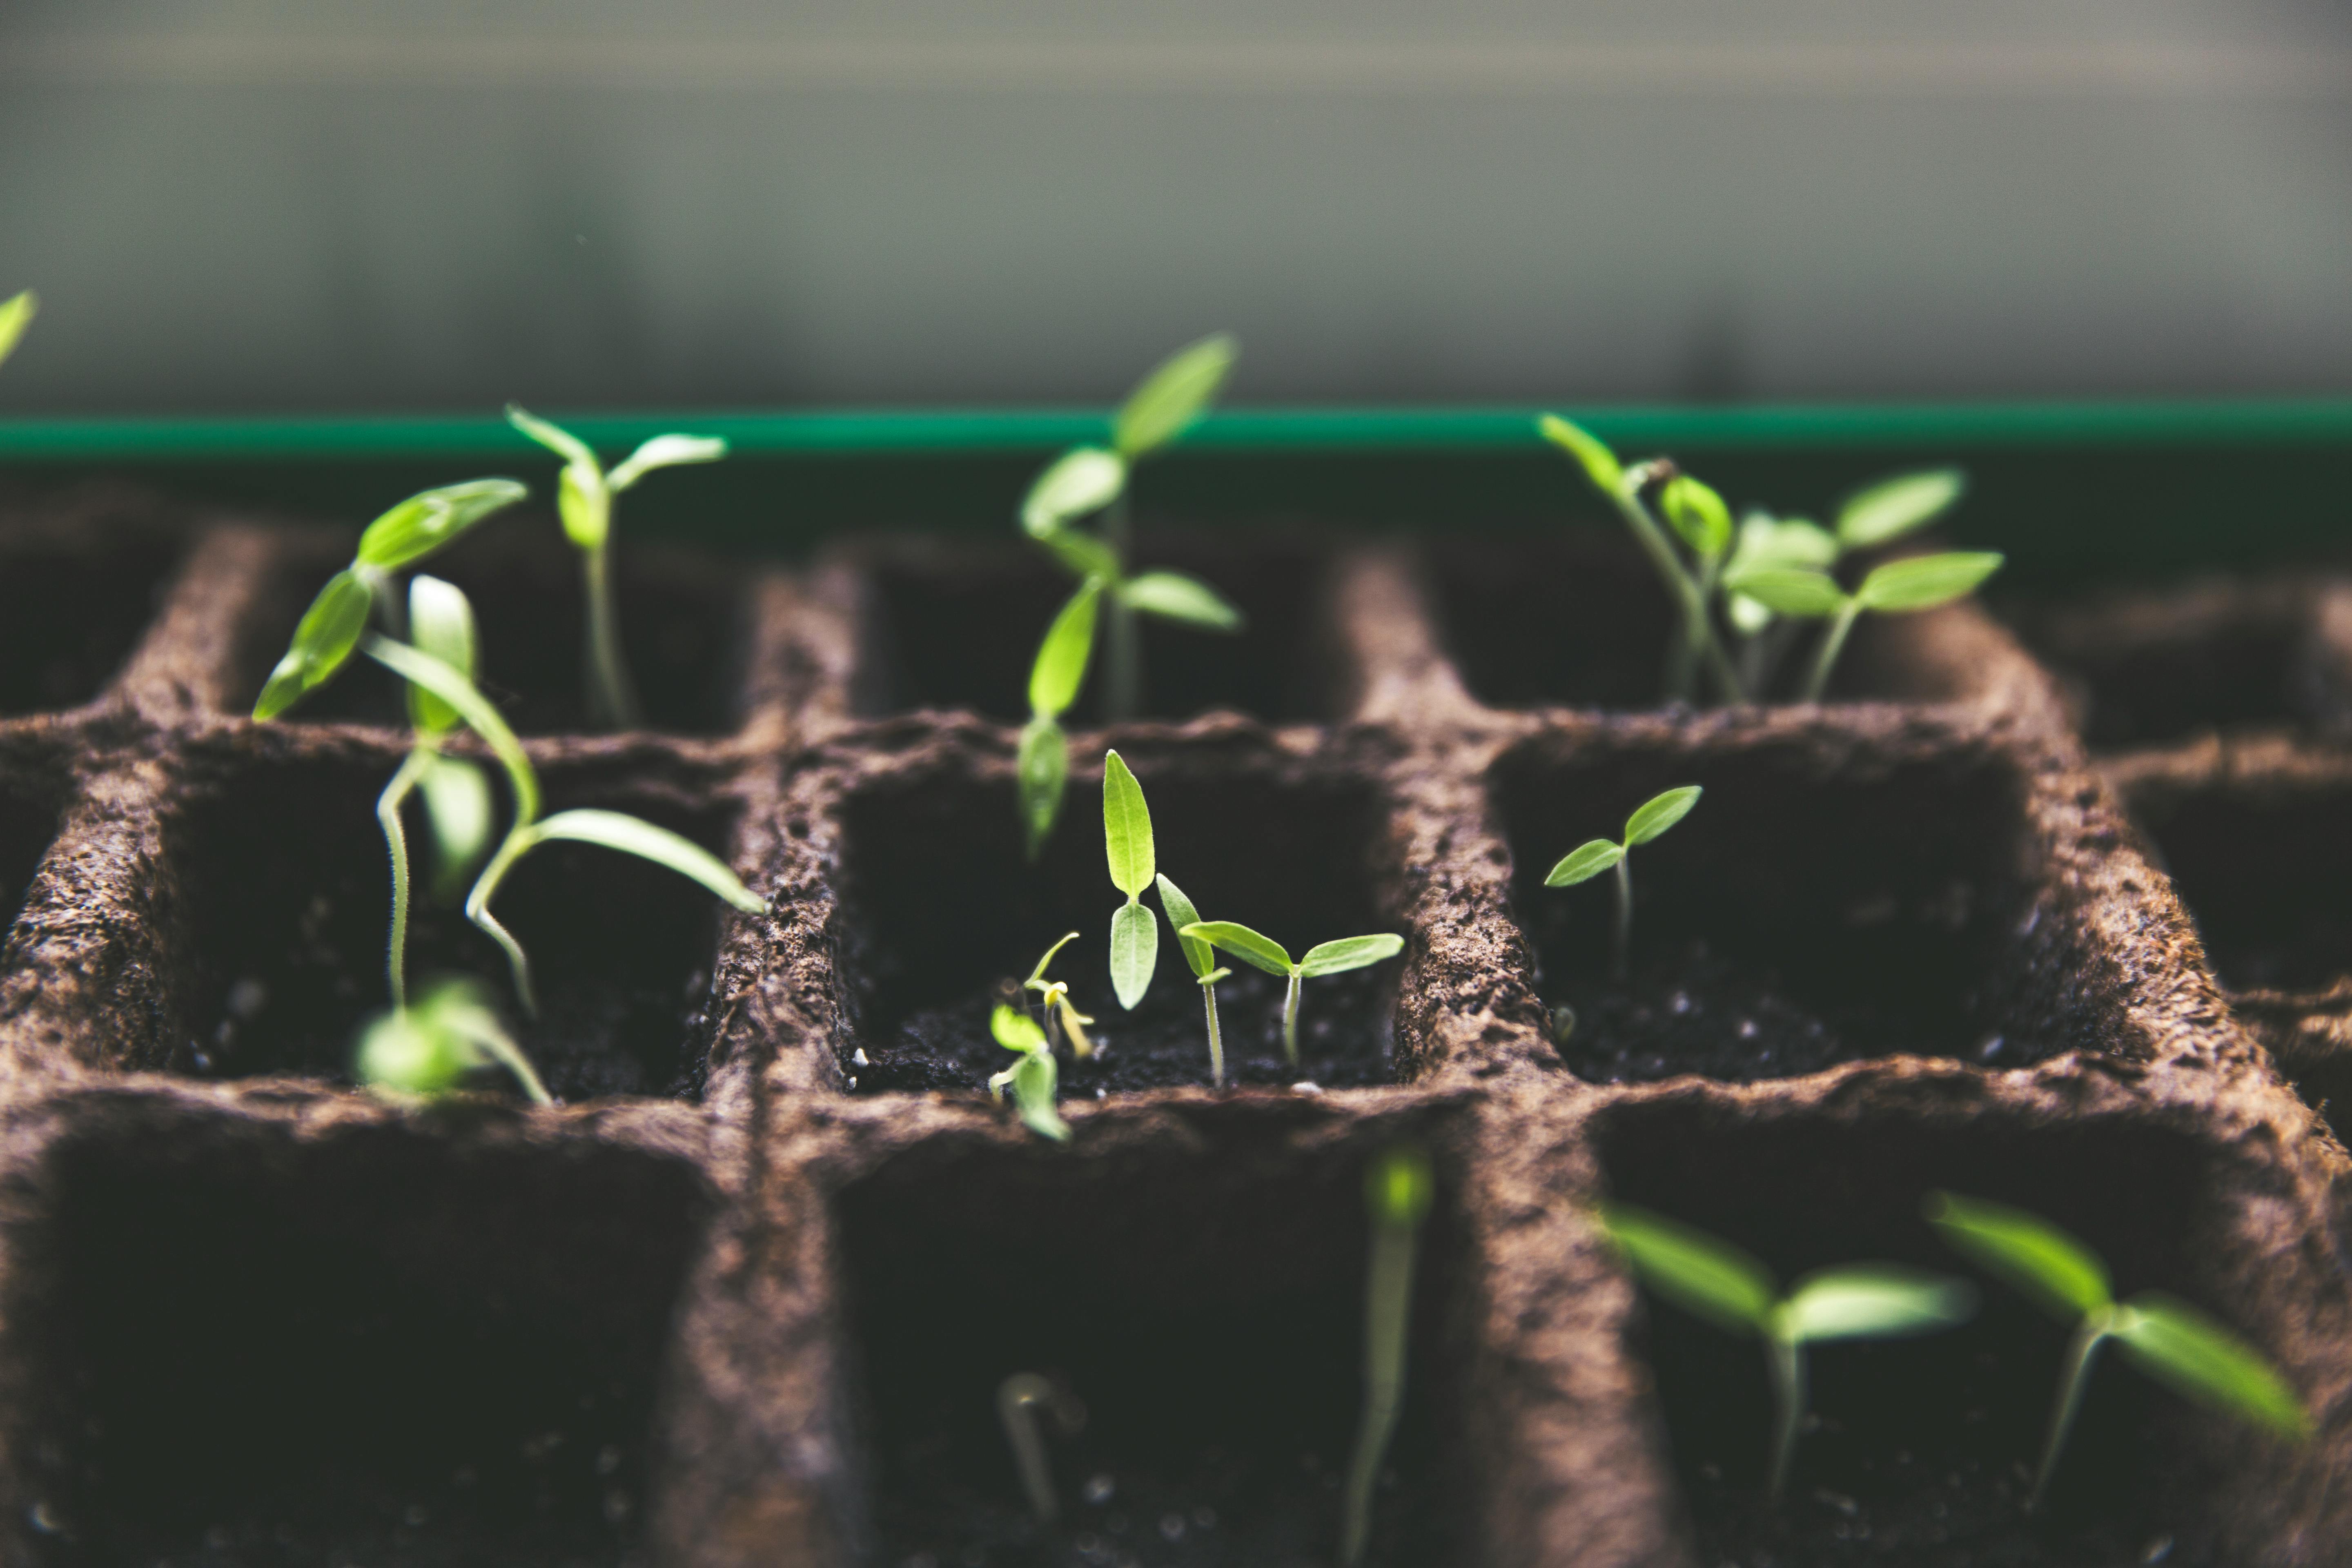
(1053, 1002)
(584, 498)
(1717, 1282)
(1018, 1400)
(1202, 958)
(1397, 1191)
(1324, 958)
(1044, 766)
(430, 1047)
(1126, 841)
(2169, 1339)
(16, 314)
(1900, 587)
(1032, 1077)
(1588, 860)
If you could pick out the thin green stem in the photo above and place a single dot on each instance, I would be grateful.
(1388, 1314)
(1832, 641)
(612, 700)
(1786, 1358)
(1621, 947)
(1290, 1019)
(519, 842)
(387, 812)
(1017, 1399)
(1698, 629)
(1216, 1038)
(2071, 1380)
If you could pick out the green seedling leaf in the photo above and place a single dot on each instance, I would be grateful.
(1748, 616)
(1699, 514)
(1705, 1277)
(1347, 953)
(1127, 829)
(1199, 954)
(1061, 667)
(423, 669)
(1037, 981)
(665, 452)
(1874, 1301)
(429, 1049)
(1790, 544)
(1260, 952)
(1082, 554)
(431, 519)
(1786, 591)
(16, 314)
(1082, 480)
(1043, 768)
(1891, 508)
(2052, 1269)
(323, 642)
(441, 622)
(1176, 597)
(1034, 1079)
(1134, 952)
(1660, 812)
(1601, 464)
(1016, 1030)
(633, 836)
(1173, 395)
(553, 437)
(1584, 862)
(584, 503)
(457, 807)
(1924, 582)
(1398, 1187)
(2196, 1356)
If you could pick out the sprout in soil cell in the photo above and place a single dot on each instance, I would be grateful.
(430, 1046)
(1034, 1078)
(1899, 587)
(1126, 839)
(1053, 1002)
(1202, 958)
(1718, 1282)
(1018, 1400)
(1324, 958)
(1043, 768)
(1588, 860)
(15, 315)
(1397, 1191)
(584, 498)
(2169, 1339)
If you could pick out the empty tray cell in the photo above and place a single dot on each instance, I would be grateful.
(685, 633)
(1201, 1296)
(1830, 898)
(283, 902)
(29, 800)
(243, 1346)
(943, 915)
(950, 625)
(1921, 1451)
(77, 586)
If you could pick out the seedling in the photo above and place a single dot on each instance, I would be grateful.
(1018, 1400)
(583, 499)
(430, 1047)
(1718, 1282)
(1899, 587)
(1324, 958)
(1044, 766)
(1202, 958)
(1588, 860)
(2169, 1339)
(1397, 1191)
(1126, 841)
(1053, 1002)
(1032, 1077)
(16, 314)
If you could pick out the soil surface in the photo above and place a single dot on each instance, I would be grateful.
(67, 621)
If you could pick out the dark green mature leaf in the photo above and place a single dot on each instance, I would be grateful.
(1127, 829)
(1891, 508)
(1134, 952)
(1081, 480)
(665, 452)
(441, 622)
(16, 314)
(1924, 582)
(635, 835)
(1199, 954)
(1691, 1269)
(2178, 1343)
(323, 642)
(1042, 769)
(2054, 1269)
(1173, 395)
(431, 519)
(1262, 952)
(1660, 812)
(1584, 862)
(1173, 596)
(1398, 1186)
(1874, 1301)
(1015, 1030)
(1061, 667)
(1695, 512)
(1601, 464)
(1786, 591)
(1348, 952)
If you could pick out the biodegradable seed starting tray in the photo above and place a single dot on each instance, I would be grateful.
(745, 1298)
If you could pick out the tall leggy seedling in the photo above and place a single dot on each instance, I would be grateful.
(584, 501)
(1717, 1282)
(1397, 1191)
(2168, 1338)
(1202, 959)
(1324, 958)
(1588, 860)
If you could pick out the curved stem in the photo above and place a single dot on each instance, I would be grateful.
(1017, 1399)
(387, 812)
(1621, 946)
(2071, 1380)
(1832, 642)
(612, 700)
(1787, 1359)
(477, 909)
(1698, 629)
(1388, 1312)
(1216, 1039)
(1290, 1019)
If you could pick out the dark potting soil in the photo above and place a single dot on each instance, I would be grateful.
(67, 621)
(2267, 879)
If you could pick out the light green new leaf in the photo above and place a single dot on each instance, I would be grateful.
(1199, 954)
(1893, 508)
(2199, 1357)
(1173, 395)
(1924, 582)
(1790, 544)
(635, 835)
(1786, 591)
(1134, 952)
(401, 1053)
(1261, 951)
(1083, 554)
(1712, 1279)
(1601, 464)
(431, 519)
(583, 501)
(457, 796)
(1061, 667)
(2054, 1269)
(665, 452)
(16, 314)
(1127, 829)
(1034, 1079)
(323, 640)
(423, 669)
(1015, 1030)
(1173, 596)
(1081, 480)
(552, 437)
(1874, 1301)
(1398, 1186)
(1037, 981)
(1699, 514)
(1660, 812)
(1584, 862)
(441, 622)
(1348, 952)
(1042, 769)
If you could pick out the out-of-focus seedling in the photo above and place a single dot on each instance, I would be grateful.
(1900, 587)
(1053, 1002)
(583, 499)
(1323, 958)
(1203, 958)
(430, 1046)
(1588, 860)
(1126, 841)
(1032, 1077)
(1018, 1400)
(2166, 1338)
(1397, 1191)
(1044, 766)
(16, 314)
(1730, 1288)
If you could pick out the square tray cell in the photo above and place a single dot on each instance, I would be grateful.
(284, 899)
(1830, 898)
(685, 632)
(1922, 1450)
(953, 624)
(940, 911)
(29, 823)
(79, 585)
(244, 1347)
(1202, 1298)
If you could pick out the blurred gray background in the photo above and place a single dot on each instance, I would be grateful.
(250, 205)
